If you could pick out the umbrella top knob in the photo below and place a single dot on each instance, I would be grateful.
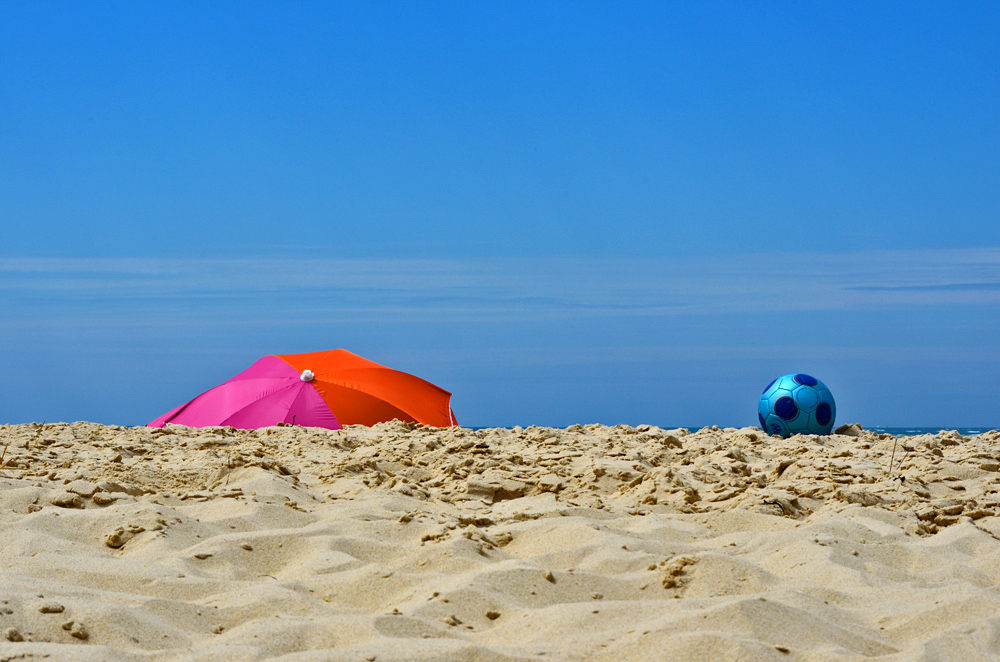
(307, 375)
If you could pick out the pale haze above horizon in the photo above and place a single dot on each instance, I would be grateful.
(560, 212)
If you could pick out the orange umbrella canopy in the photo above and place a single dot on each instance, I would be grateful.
(362, 392)
(323, 389)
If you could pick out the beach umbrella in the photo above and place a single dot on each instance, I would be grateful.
(319, 389)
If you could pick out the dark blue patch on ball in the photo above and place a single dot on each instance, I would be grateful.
(768, 387)
(761, 419)
(786, 408)
(823, 413)
(805, 380)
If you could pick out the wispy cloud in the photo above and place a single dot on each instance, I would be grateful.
(674, 353)
(289, 291)
(947, 287)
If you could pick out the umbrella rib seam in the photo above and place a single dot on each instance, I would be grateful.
(374, 397)
(178, 413)
(255, 401)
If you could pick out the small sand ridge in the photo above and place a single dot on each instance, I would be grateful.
(404, 542)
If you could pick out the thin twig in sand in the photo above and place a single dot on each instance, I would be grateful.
(776, 503)
(38, 433)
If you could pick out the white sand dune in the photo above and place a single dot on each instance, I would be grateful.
(408, 543)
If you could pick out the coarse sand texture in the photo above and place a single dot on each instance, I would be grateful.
(407, 542)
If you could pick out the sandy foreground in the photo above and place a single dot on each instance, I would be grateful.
(402, 542)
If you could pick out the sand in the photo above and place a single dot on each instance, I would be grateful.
(402, 542)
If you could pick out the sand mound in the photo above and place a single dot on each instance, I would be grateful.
(402, 542)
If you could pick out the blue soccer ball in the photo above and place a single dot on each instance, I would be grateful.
(796, 404)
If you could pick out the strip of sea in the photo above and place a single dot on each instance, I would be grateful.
(910, 432)
(896, 432)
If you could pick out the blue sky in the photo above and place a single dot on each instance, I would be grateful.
(560, 212)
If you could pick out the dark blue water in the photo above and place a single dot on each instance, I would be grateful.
(896, 432)
(908, 432)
